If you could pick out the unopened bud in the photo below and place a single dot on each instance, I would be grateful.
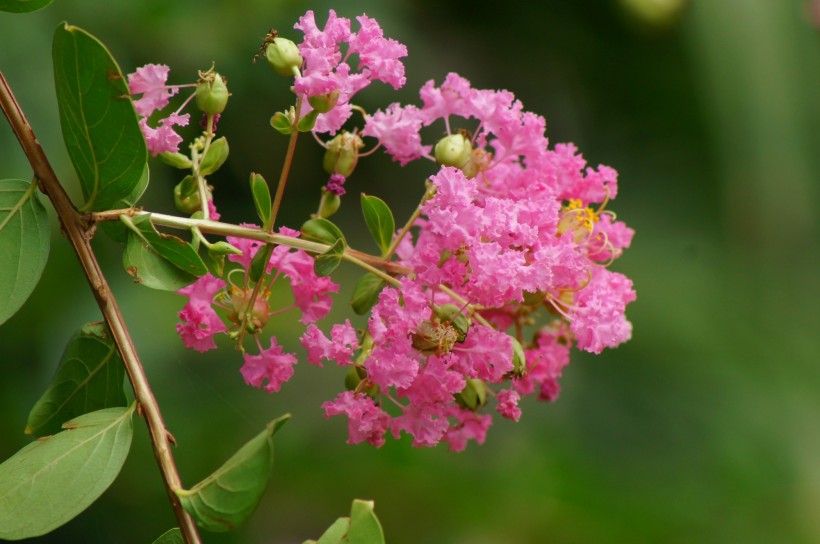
(342, 154)
(211, 93)
(473, 396)
(186, 195)
(330, 204)
(177, 160)
(323, 103)
(453, 150)
(283, 56)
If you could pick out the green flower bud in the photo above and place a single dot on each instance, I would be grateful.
(453, 150)
(211, 93)
(329, 205)
(473, 396)
(177, 160)
(519, 359)
(283, 56)
(215, 157)
(342, 154)
(323, 103)
(186, 195)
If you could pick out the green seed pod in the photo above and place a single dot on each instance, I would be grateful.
(329, 205)
(211, 93)
(186, 196)
(473, 396)
(215, 157)
(283, 56)
(453, 150)
(342, 154)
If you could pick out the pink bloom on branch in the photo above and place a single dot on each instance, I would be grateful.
(163, 138)
(339, 348)
(366, 421)
(149, 80)
(199, 320)
(270, 365)
(469, 426)
(508, 404)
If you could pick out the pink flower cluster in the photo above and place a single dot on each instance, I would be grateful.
(512, 238)
(326, 69)
(200, 321)
(150, 82)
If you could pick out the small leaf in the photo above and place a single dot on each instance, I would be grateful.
(335, 533)
(364, 525)
(379, 221)
(148, 268)
(259, 263)
(321, 230)
(261, 199)
(90, 377)
(328, 261)
(24, 242)
(23, 6)
(98, 121)
(366, 293)
(215, 157)
(173, 536)
(177, 251)
(226, 499)
(52, 480)
(307, 122)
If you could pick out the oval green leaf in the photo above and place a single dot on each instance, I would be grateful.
(364, 525)
(23, 6)
(24, 243)
(328, 261)
(174, 536)
(226, 499)
(215, 157)
(319, 229)
(90, 377)
(335, 534)
(366, 293)
(98, 120)
(261, 198)
(52, 480)
(147, 267)
(379, 221)
(175, 250)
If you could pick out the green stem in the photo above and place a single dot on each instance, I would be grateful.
(372, 269)
(407, 226)
(197, 158)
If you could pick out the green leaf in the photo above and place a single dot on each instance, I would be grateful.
(174, 536)
(115, 229)
(334, 534)
(176, 160)
(98, 120)
(226, 499)
(151, 270)
(328, 261)
(366, 293)
(321, 230)
(90, 377)
(379, 221)
(175, 250)
(24, 243)
(23, 6)
(261, 199)
(52, 480)
(259, 263)
(364, 525)
(215, 157)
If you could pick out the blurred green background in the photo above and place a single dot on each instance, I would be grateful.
(705, 427)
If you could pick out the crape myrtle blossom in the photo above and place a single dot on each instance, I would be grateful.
(150, 82)
(499, 273)
(326, 71)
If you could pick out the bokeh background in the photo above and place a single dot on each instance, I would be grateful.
(705, 427)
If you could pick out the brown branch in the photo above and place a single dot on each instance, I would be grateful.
(74, 228)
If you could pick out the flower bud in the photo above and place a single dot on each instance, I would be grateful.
(283, 56)
(177, 160)
(329, 204)
(473, 396)
(323, 103)
(342, 154)
(186, 196)
(211, 93)
(453, 150)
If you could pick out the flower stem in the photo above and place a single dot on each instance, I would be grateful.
(407, 226)
(74, 227)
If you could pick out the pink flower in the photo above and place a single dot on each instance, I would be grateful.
(426, 425)
(270, 365)
(340, 348)
(508, 404)
(199, 320)
(469, 426)
(366, 421)
(163, 138)
(397, 129)
(598, 321)
(149, 80)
